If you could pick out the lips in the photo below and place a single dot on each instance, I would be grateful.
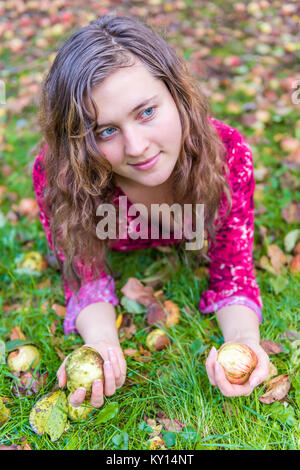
(144, 162)
(147, 164)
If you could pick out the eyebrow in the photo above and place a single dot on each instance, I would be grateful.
(132, 111)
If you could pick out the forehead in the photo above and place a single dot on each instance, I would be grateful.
(125, 88)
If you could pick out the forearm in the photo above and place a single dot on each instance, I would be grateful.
(238, 321)
(96, 322)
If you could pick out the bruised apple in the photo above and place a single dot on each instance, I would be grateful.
(238, 362)
(83, 366)
(157, 340)
(24, 358)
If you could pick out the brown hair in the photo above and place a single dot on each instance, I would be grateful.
(79, 177)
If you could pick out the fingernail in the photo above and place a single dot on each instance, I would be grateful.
(217, 367)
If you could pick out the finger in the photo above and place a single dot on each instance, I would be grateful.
(122, 366)
(228, 389)
(109, 379)
(97, 398)
(61, 375)
(112, 356)
(77, 397)
(261, 371)
(209, 364)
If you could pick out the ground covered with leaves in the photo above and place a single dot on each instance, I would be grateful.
(246, 57)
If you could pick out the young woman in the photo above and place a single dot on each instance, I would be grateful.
(122, 116)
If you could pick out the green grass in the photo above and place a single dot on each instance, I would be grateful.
(175, 380)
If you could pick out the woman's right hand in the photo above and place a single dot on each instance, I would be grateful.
(114, 369)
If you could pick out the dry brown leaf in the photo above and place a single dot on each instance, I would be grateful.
(291, 213)
(127, 328)
(159, 294)
(45, 284)
(170, 424)
(28, 384)
(271, 347)
(130, 352)
(290, 334)
(60, 310)
(135, 290)
(155, 314)
(16, 333)
(277, 389)
(277, 257)
(265, 264)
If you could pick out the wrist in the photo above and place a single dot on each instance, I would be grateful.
(237, 322)
(97, 322)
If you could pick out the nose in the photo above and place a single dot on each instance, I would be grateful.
(136, 142)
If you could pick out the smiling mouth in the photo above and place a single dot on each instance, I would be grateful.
(144, 162)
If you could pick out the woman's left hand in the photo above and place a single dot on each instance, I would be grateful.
(216, 374)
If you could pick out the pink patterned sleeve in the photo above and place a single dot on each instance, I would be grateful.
(232, 277)
(91, 291)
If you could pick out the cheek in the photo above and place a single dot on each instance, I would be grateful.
(111, 152)
(171, 127)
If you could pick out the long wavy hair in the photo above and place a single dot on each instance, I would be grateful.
(79, 177)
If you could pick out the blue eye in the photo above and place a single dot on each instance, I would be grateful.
(105, 130)
(148, 110)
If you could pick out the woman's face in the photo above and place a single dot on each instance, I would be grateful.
(138, 119)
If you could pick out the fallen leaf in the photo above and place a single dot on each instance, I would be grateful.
(173, 425)
(49, 415)
(4, 413)
(16, 333)
(270, 347)
(29, 384)
(290, 240)
(130, 352)
(290, 334)
(277, 389)
(119, 320)
(127, 328)
(277, 257)
(60, 310)
(265, 264)
(157, 442)
(155, 314)
(291, 213)
(135, 290)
